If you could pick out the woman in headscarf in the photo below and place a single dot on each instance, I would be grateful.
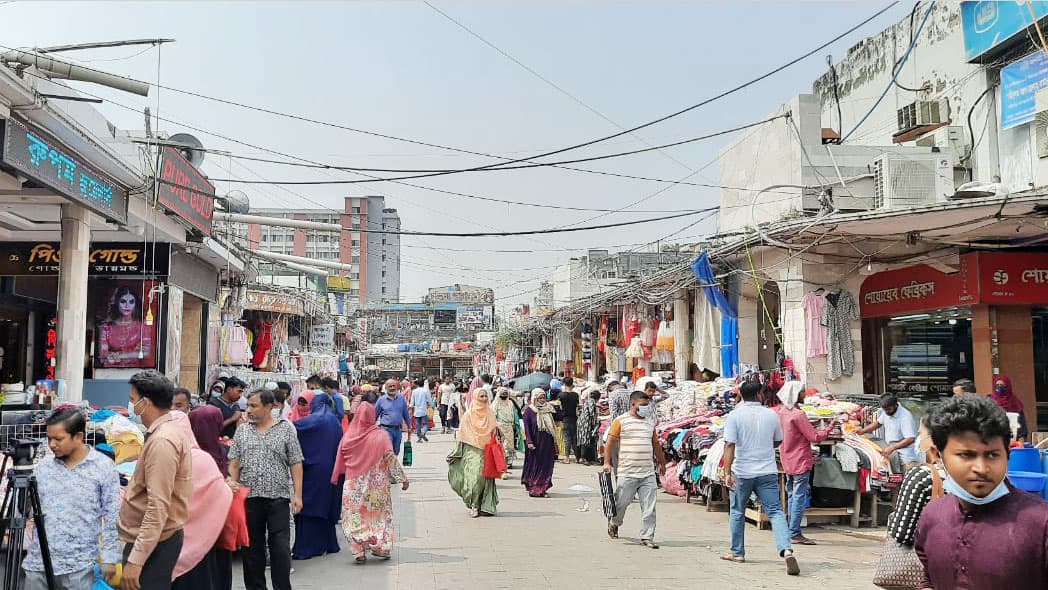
(206, 422)
(474, 385)
(319, 434)
(541, 452)
(366, 461)
(201, 565)
(507, 413)
(1009, 402)
(302, 406)
(466, 471)
(589, 426)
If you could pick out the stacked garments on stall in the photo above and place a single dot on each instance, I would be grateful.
(875, 472)
(687, 442)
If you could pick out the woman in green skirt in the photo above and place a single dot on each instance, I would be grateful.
(466, 471)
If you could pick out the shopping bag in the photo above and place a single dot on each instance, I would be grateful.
(100, 583)
(899, 567)
(234, 534)
(407, 453)
(494, 459)
(607, 494)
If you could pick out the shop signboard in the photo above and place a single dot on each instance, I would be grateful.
(474, 316)
(461, 294)
(44, 159)
(322, 337)
(275, 302)
(1020, 82)
(914, 288)
(105, 259)
(339, 284)
(185, 191)
(1012, 277)
(991, 23)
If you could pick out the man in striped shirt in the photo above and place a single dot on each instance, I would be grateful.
(632, 440)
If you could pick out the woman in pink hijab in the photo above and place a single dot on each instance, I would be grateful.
(201, 564)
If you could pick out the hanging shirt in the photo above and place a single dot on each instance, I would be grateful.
(815, 333)
(837, 317)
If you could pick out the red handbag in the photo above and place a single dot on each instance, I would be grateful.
(494, 459)
(234, 534)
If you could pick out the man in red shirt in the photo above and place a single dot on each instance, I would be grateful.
(795, 453)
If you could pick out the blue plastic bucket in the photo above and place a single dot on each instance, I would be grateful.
(1044, 469)
(1025, 459)
(1030, 481)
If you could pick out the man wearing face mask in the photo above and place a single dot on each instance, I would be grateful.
(985, 534)
(632, 439)
(393, 415)
(156, 504)
(900, 430)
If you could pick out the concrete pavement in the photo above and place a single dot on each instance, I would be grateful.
(550, 543)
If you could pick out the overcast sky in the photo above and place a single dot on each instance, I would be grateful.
(404, 69)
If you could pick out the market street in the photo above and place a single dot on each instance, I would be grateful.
(547, 543)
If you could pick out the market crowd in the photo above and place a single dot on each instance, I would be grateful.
(274, 475)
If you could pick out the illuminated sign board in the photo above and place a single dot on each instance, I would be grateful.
(45, 160)
(185, 191)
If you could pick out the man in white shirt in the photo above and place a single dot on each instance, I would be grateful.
(900, 429)
(445, 395)
(421, 402)
(751, 434)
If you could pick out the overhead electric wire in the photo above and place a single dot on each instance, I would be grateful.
(524, 166)
(693, 107)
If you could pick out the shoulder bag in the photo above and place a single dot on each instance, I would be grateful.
(899, 567)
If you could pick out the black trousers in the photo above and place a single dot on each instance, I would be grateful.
(156, 571)
(571, 440)
(268, 518)
(443, 409)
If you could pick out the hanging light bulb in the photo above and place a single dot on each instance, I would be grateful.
(149, 316)
(869, 265)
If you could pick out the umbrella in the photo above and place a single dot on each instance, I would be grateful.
(531, 381)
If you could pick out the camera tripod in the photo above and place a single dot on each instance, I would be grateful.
(21, 503)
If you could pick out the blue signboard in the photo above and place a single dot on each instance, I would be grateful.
(45, 160)
(1020, 82)
(987, 24)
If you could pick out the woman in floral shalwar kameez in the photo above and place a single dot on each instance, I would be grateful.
(366, 460)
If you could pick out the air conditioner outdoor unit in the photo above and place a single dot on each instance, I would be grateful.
(903, 181)
(946, 139)
(923, 112)
(1040, 126)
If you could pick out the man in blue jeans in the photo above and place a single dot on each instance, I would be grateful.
(421, 402)
(393, 415)
(751, 433)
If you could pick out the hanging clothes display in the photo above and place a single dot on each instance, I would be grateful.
(837, 317)
(664, 340)
(814, 304)
(706, 346)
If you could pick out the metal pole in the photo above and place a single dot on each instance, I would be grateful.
(276, 221)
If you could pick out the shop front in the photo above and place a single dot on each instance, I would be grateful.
(924, 328)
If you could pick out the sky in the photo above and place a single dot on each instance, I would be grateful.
(586, 70)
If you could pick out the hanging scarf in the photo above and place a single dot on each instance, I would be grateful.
(478, 424)
(543, 411)
(1007, 400)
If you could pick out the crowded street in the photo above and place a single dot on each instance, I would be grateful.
(551, 543)
(568, 295)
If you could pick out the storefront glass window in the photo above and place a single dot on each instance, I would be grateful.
(1040, 364)
(925, 353)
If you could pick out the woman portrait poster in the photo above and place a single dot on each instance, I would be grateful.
(124, 338)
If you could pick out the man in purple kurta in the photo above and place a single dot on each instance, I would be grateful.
(986, 534)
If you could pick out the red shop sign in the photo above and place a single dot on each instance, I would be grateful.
(1016, 278)
(185, 191)
(914, 288)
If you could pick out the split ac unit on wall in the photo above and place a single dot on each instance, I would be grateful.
(949, 139)
(910, 180)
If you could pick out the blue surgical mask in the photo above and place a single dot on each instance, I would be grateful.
(954, 489)
(132, 414)
(644, 411)
(1000, 389)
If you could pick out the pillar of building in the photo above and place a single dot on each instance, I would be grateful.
(72, 301)
(1002, 344)
(681, 335)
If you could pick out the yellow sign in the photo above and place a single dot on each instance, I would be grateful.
(339, 284)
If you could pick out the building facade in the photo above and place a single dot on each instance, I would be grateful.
(374, 257)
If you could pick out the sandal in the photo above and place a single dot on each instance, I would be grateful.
(360, 559)
(733, 558)
(802, 540)
(613, 531)
(380, 554)
(649, 543)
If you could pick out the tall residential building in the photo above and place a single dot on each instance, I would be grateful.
(374, 257)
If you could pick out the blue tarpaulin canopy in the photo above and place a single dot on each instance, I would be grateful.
(729, 318)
